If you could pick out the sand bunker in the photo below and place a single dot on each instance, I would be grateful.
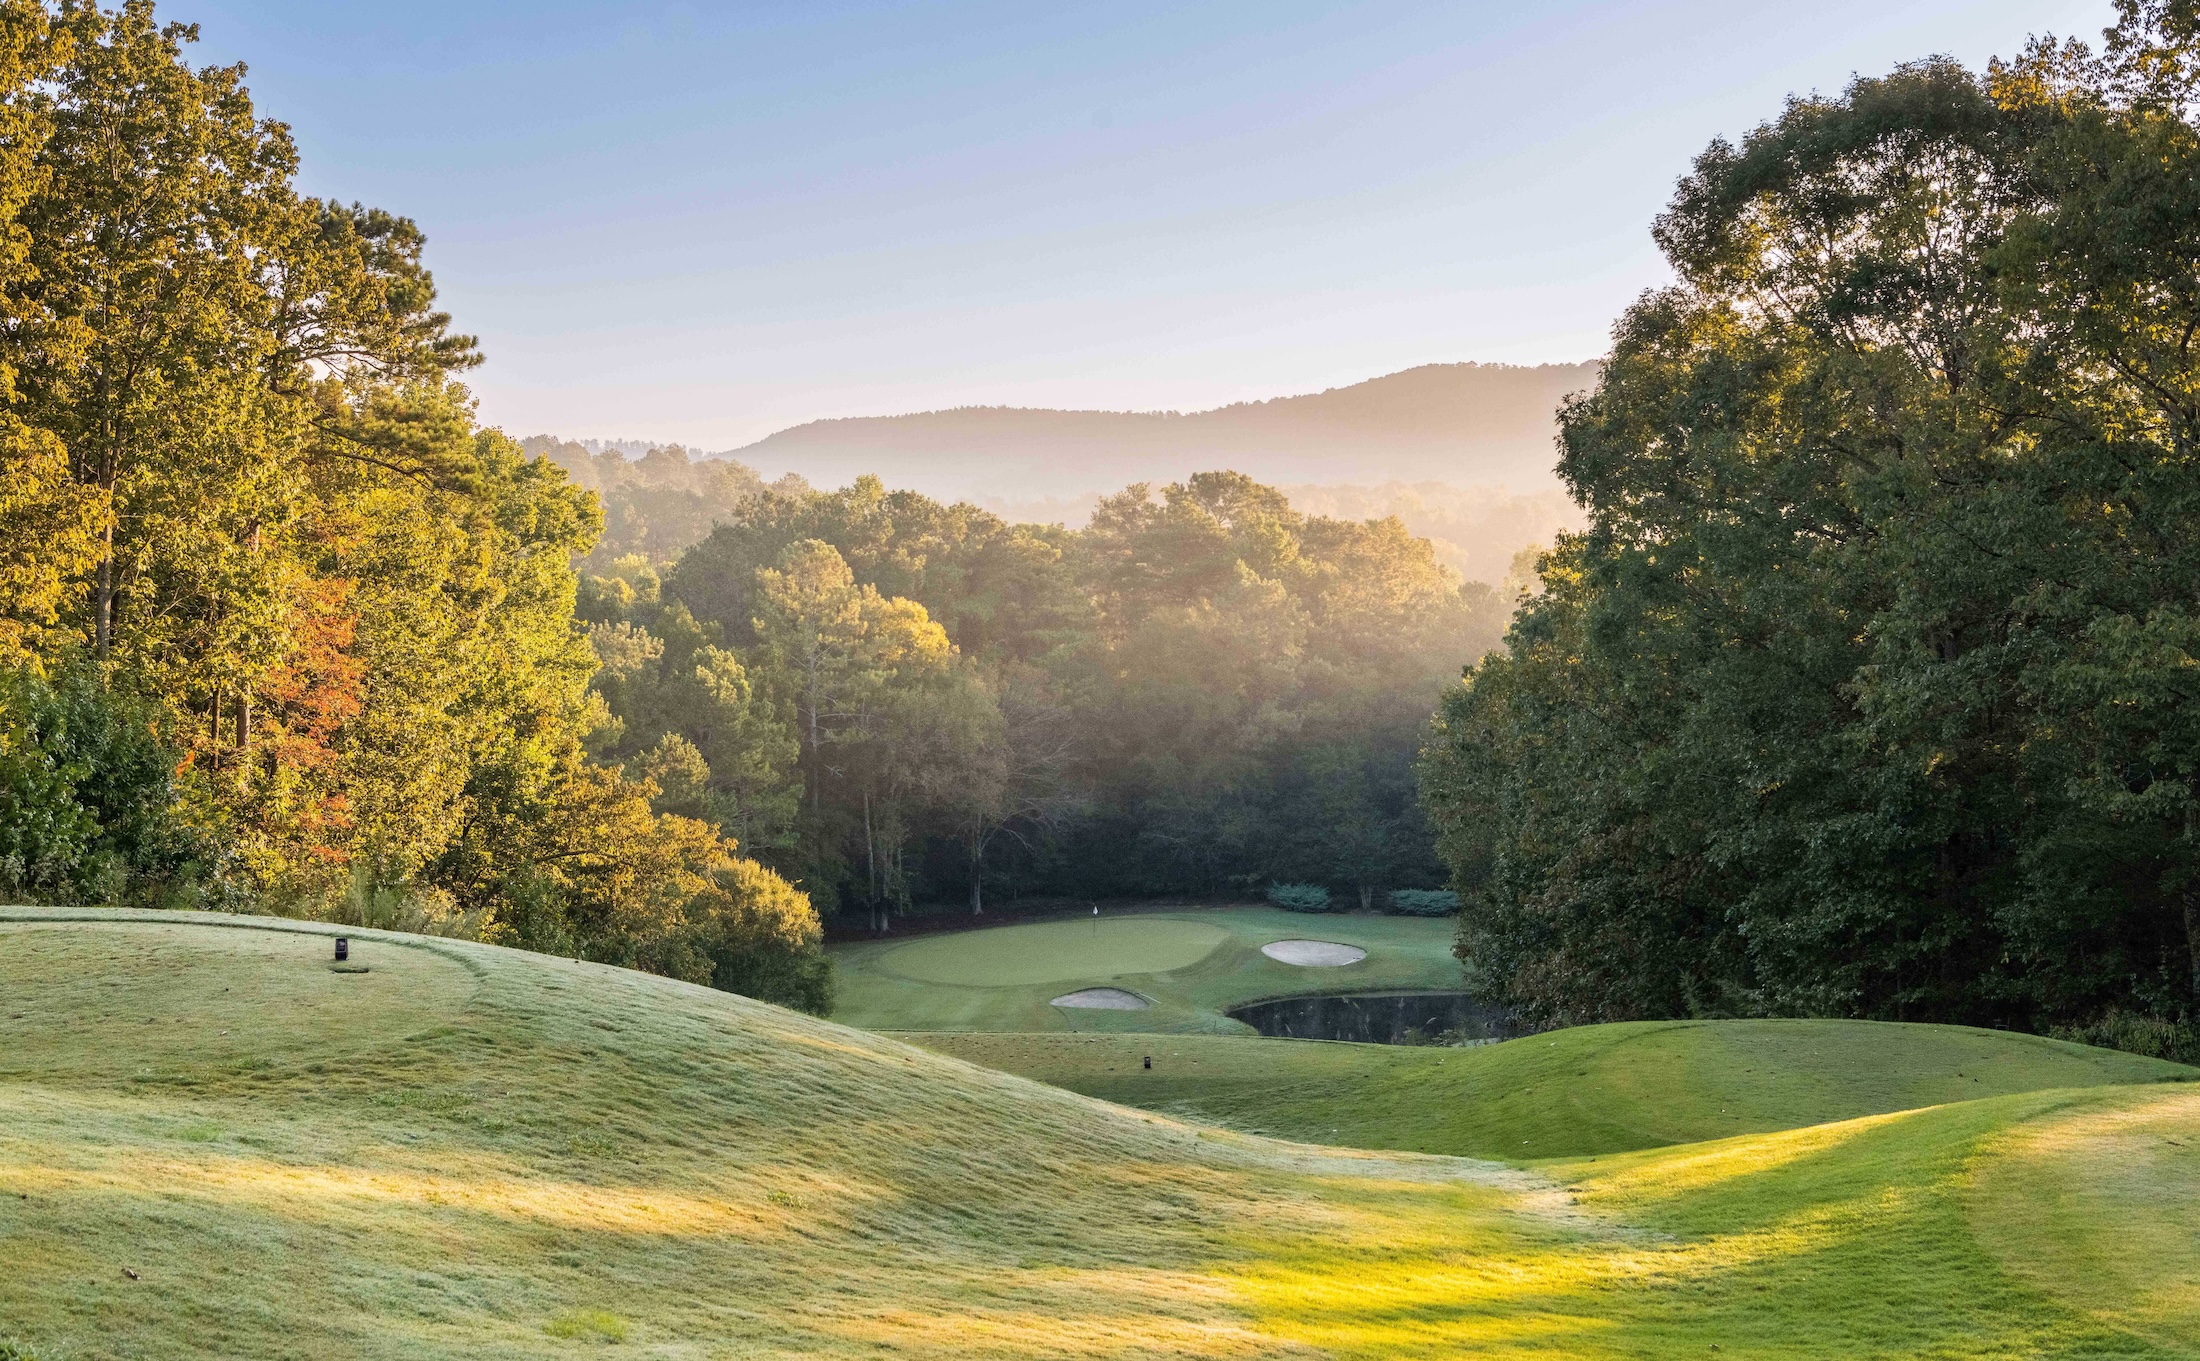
(1102, 999)
(1313, 954)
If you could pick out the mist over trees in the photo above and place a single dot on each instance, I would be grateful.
(1870, 687)
(1202, 691)
(658, 504)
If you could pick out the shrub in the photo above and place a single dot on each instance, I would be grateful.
(1299, 897)
(87, 794)
(2156, 1037)
(1423, 902)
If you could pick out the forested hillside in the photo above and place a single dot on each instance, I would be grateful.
(1480, 424)
(891, 699)
(1870, 687)
(279, 624)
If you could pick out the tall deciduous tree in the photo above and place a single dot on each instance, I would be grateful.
(1869, 688)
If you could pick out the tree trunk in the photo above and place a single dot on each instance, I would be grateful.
(2192, 936)
(870, 851)
(817, 768)
(1367, 898)
(103, 605)
(977, 880)
(244, 721)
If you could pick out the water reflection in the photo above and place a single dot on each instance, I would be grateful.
(1383, 1018)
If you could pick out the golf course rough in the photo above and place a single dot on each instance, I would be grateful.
(1191, 965)
(210, 1146)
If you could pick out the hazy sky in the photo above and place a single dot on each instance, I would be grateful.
(704, 222)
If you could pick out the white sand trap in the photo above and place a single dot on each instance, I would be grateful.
(1102, 999)
(1313, 954)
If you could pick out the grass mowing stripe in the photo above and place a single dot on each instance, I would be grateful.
(555, 1156)
(1593, 1089)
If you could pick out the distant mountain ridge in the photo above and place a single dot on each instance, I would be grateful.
(1484, 424)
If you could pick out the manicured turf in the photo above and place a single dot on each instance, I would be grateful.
(471, 1152)
(1193, 964)
(1114, 947)
(1591, 1090)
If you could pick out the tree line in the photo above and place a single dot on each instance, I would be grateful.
(895, 701)
(280, 625)
(1870, 688)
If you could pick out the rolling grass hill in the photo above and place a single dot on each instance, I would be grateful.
(213, 1146)
(1570, 1093)
(1193, 965)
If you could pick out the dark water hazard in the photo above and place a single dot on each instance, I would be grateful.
(1382, 1018)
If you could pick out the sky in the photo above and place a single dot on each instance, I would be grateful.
(705, 222)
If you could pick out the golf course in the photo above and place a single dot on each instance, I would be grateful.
(213, 1144)
(1188, 967)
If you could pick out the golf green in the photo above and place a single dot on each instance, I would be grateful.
(1192, 964)
(1054, 952)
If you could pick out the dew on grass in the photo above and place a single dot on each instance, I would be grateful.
(591, 1325)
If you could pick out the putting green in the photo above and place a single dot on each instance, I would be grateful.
(1191, 964)
(1055, 952)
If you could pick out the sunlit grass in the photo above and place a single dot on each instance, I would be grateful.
(505, 1156)
(591, 1325)
(2099, 1207)
(1595, 1089)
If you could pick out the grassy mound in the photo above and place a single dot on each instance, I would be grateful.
(1596, 1089)
(1194, 964)
(213, 1146)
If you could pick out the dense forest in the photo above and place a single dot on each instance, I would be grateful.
(1870, 687)
(280, 626)
(893, 701)
(283, 628)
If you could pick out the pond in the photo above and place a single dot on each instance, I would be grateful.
(1380, 1018)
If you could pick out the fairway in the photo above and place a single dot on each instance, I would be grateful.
(1569, 1093)
(1054, 952)
(213, 1147)
(1191, 965)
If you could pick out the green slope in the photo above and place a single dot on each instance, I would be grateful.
(1595, 1089)
(1193, 964)
(212, 1146)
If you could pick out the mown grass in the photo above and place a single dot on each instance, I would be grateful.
(1594, 1089)
(503, 1155)
(1193, 964)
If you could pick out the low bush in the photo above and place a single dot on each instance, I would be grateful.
(2156, 1037)
(1299, 897)
(87, 796)
(1423, 902)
